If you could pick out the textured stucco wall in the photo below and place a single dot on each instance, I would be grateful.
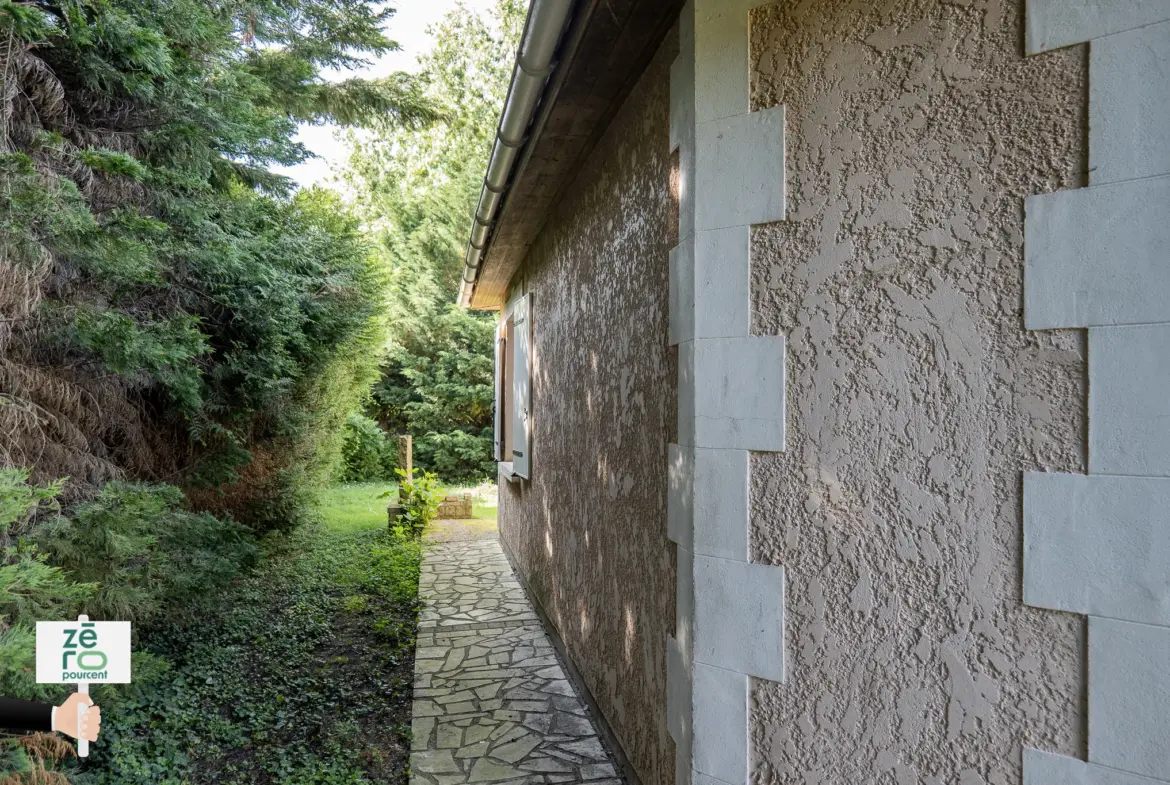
(915, 397)
(589, 530)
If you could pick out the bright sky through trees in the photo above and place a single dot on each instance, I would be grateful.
(409, 28)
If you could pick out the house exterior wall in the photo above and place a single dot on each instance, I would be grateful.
(915, 396)
(588, 531)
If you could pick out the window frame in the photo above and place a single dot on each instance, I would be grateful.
(505, 416)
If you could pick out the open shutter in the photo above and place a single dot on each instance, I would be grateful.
(498, 417)
(521, 384)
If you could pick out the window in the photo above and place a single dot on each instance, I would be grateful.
(513, 423)
(504, 374)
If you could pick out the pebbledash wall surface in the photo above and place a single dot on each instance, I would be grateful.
(916, 397)
(588, 532)
(891, 375)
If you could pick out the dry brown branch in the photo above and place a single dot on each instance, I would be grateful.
(44, 750)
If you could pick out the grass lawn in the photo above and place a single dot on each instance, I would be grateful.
(358, 506)
(361, 506)
(298, 674)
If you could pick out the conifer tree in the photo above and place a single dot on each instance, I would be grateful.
(418, 190)
(168, 310)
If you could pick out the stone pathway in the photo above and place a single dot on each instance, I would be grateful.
(491, 701)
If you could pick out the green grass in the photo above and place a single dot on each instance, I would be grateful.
(357, 506)
(484, 501)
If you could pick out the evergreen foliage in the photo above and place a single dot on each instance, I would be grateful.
(367, 453)
(126, 554)
(168, 312)
(336, 613)
(418, 190)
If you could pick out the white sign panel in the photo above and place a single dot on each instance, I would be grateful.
(83, 652)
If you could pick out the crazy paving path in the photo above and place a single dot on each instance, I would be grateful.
(492, 703)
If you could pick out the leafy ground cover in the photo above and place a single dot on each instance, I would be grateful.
(298, 674)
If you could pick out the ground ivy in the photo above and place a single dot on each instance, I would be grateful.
(300, 673)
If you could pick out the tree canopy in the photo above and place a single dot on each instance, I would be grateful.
(168, 311)
(417, 191)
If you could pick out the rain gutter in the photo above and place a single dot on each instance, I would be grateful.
(534, 63)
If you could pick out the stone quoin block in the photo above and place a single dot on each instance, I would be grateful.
(686, 190)
(1098, 545)
(678, 694)
(720, 517)
(721, 57)
(739, 617)
(1129, 400)
(739, 170)
(738, 388)
(682, 113)
(681, 276)
(680, 479)
(1129, 697)
(722, 283)
(698, 778)
(1098, 256)
(719, 744)
(1129, 105)
(1052, 24)
(684, 599)
(686, 393)
(1045, 768)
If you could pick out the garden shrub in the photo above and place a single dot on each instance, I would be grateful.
(31, 589)
(420, 497)
(457, 455)
(367, 453)
(141, 549)
(128, 553)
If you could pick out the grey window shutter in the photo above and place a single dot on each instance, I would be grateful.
(498, 418)
(521, 384)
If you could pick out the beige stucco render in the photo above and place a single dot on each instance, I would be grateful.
(915, 400)
(588, 532)
(915, 396)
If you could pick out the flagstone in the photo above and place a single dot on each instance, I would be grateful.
(485, 770)
(590, 748)
(462, 695)
(487, 691)
(477, 750)
(538, 722)
(573, 725)
(492, 702)
(546, 765)
(515, 750)
(597, 771)
(433, 762)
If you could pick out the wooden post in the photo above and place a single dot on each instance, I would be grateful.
(406, 456)
(406, 463)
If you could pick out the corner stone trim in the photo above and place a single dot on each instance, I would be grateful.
(1095, 257)
(730, 612)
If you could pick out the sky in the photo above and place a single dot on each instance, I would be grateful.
(408, 27)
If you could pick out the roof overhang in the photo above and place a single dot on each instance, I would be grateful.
(604, 50)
